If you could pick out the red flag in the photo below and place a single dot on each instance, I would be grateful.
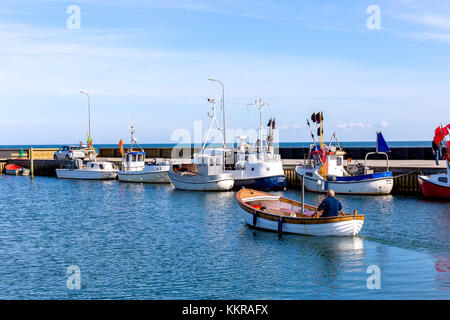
(440, 133)
(121, 146)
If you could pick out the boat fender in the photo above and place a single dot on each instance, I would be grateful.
(280, 226)
(255, 216)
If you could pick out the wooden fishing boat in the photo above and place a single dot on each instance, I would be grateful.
(275, 213)
(15, 170)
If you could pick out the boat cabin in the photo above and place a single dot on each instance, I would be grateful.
(100, 166)
(330, 161)
(133, 161)
(208, 164)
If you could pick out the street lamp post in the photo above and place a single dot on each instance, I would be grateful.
(89, 111)
(223, 109)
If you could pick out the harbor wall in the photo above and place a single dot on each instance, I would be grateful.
(400, 153)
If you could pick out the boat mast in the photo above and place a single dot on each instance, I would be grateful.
(213, 120)
(132, 131)
(260, 105)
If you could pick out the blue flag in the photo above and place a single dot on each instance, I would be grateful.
(381, 143)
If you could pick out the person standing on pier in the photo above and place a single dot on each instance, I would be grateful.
(330, 206)
(437, 151)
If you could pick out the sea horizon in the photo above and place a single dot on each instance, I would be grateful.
(302, 144)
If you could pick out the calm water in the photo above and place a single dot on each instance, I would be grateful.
(135, 241)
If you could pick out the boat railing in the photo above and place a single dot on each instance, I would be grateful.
(263, 157)
(370, 153)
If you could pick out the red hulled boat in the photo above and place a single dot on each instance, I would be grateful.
(438, 185)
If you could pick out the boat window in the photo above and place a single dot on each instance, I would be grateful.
(101, 166)
(211, 162)
(309, 174)
(217, 161)
(339, 161)
(92, 165)
(443, 179)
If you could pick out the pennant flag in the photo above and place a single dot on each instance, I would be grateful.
(273, 123)
(270, 123)
(313, 118)
(121, 147)
(318, 117)
(381, 143)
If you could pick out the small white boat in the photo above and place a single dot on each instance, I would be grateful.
(93, 170)
(205, 174)
(326, 171)
(274, 213)
(134, 168)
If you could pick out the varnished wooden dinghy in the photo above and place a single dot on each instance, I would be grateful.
(271, 212)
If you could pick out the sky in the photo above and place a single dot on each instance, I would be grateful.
(148, 62)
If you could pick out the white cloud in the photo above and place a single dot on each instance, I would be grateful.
(384, 124)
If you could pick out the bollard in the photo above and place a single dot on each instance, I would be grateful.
(31, 164)
(303, 193)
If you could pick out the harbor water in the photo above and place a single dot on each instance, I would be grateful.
(138, 241)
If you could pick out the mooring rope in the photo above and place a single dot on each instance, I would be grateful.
(405, 174)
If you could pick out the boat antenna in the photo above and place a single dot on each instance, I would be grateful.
(337, 141)
(213, 120)
(260, 105)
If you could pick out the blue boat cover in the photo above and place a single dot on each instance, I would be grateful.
(365, 176)
(381, 143)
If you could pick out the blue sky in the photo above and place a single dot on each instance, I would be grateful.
(147, 62)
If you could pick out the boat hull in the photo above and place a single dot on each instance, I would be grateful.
(264, 183)
(15, 170)
(433, 190)
(85, 174)
(275, 213)
(374, 184)
(339, 228)
(144, 177)
(220, 182)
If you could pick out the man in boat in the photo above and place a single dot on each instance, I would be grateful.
(330, 206)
